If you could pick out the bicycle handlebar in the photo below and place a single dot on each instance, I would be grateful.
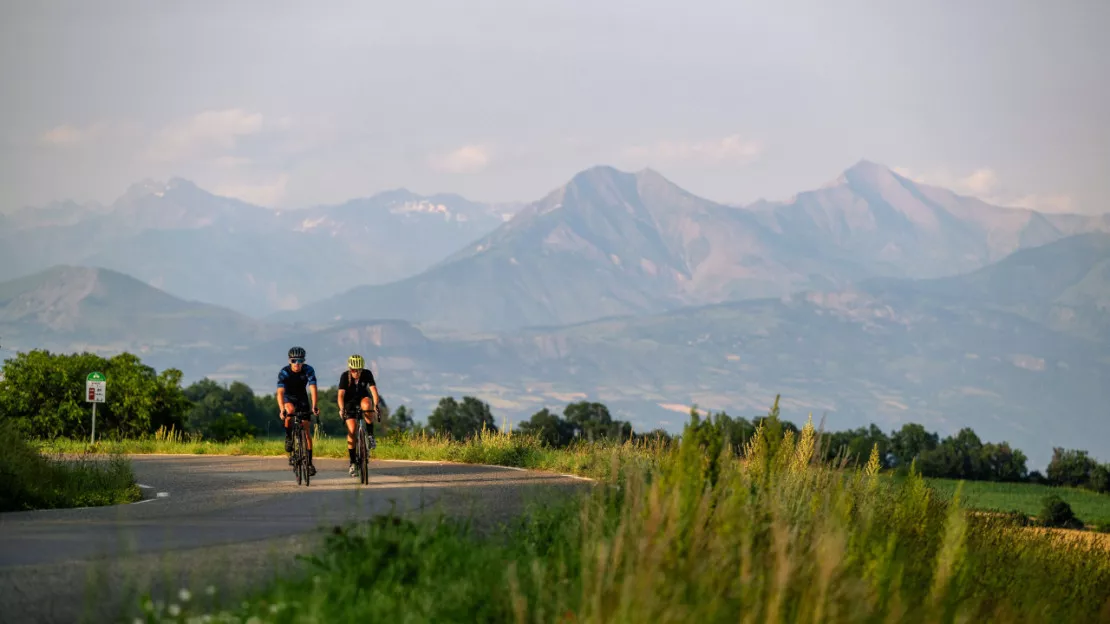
(358, 412)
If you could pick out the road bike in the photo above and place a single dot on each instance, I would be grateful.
(299, 456)
(364, 443)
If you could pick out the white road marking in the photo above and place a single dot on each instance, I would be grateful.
(431, 461)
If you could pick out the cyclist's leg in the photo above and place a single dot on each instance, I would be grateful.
(306, 424)
(349, 420)
(289, 409)
(366, 406)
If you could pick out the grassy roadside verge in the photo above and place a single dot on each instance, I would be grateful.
(597, 460)
(696, 536)
(31, 480)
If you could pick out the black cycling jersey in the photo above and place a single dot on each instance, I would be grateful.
(356, 390)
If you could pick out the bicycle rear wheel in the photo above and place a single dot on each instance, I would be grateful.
(363, 454)
(304, 455)
(298, 454)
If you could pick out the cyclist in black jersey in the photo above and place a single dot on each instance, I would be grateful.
(296, 383)
(357, 391)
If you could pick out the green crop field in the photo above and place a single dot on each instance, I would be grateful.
(1090, 507)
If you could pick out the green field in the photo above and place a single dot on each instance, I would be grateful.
(1092, 508)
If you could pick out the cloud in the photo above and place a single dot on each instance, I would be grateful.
(266, 194)
(984, 184)
(1044, 203)
(466, 159)
(981, 182)
(231, 162)
(206, 133)
(733, 149)
(67, 134)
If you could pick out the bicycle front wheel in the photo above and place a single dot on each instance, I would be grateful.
(304, 456)
(363, 447)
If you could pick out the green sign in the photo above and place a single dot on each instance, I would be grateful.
(94, 376)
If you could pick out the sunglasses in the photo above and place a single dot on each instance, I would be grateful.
(297, 360)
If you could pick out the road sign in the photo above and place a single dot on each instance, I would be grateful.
(95, 386)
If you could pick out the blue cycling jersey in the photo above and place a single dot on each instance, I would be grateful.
(296, 384)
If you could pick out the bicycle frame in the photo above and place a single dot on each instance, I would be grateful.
(300, 448)
(362, 445)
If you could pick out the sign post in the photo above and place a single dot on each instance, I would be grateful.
(95, 385)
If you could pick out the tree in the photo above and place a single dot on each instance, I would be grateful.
(856, 445)
(44, 395)
(1100, 479)
(214, 407)
(549, 428)
(401, 420)
(1070, 467)
(592, 422)
(909, 442)
(460, 420)
(230, 427)
(1002, 463)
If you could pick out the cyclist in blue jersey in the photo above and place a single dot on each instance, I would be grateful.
(296, 383)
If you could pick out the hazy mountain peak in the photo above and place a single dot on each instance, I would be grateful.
(866, 173)
(143, 188)
(181, 184)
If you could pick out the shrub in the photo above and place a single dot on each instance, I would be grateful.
(1056, 512)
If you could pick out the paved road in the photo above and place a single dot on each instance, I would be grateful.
(226, 521)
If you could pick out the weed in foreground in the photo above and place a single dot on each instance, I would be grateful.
(776, 537)
(30, 480)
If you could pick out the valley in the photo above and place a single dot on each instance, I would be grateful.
(625, 289)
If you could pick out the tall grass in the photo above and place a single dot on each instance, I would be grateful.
(701, 537)
(30, 480)
(590, 459)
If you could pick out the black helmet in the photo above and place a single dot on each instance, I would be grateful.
(296, 352)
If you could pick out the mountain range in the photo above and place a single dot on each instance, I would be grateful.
(614, 243)
(872, 298)
(254, 260)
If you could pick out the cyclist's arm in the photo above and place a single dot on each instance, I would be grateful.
(342, 392)
(280, 394)
(372, 384)
(312, 384)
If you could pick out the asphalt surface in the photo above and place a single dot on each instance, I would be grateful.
(229, 522)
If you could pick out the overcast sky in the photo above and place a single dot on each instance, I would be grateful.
(295, 103)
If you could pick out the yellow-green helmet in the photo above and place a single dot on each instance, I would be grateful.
(355, 361)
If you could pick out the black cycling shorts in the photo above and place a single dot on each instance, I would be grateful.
(300, 404)
(354, 410)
